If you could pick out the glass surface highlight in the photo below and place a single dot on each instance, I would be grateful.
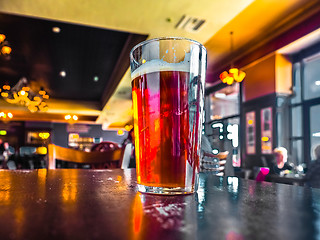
(168, 76)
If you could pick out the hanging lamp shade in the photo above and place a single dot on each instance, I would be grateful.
(234, 74)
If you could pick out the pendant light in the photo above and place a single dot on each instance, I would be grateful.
(234, 74)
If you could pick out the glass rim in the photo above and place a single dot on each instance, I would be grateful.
(164, 38)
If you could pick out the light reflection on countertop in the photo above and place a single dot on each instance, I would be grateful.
(90, 204)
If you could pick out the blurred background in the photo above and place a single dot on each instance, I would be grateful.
(65, 77)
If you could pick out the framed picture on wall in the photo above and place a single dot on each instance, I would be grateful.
(38, 137)
(266, 130)
(251, 132)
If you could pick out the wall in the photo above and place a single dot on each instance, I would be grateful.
(260, 79)
(15, 133)
(59, 132)
(266, 76)
(283, 78)
(267, 79)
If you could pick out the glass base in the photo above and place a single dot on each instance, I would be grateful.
(165, 191)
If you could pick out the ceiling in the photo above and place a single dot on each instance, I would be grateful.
(41, 55)
(74, 64)
(88, 27)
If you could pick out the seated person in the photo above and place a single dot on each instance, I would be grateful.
(312, 177)
(1, 149)
(8, 156)
(280, 162)
(2, 157)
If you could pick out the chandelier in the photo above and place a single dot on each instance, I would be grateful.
(5, 49)
(234, 74)
(22, 94)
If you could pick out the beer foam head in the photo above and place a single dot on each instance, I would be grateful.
(157, 65)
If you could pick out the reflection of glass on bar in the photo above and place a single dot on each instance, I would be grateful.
(171, 214)
(167, 91)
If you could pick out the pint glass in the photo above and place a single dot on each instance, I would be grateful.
(168, 76)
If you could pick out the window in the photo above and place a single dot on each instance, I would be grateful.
(311, 77)
(296, 83)
(296, 113)
(297, 152)
(223, 120)
(225, 102)
(305, 105)
(314, 128)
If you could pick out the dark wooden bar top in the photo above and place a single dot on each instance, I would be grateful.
(104, 204)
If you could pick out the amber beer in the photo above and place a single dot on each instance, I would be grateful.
(167, 125)
(163, 148)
